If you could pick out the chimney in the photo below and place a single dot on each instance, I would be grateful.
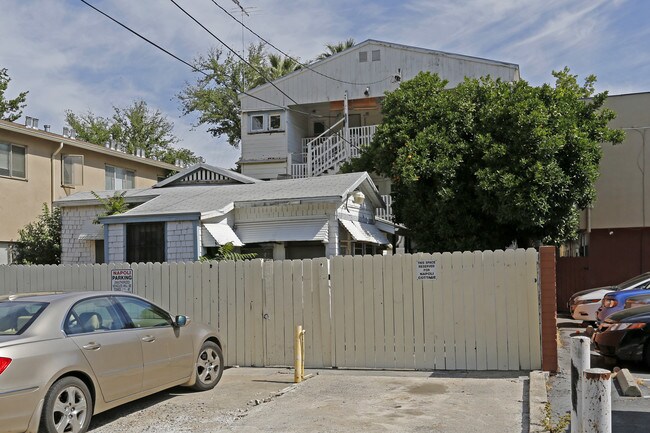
(66, 131)
(28, 121)
(34, 123)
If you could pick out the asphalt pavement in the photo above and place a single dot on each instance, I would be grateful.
(629, 414)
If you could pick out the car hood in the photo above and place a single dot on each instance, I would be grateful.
(597, 292)
(633, 315)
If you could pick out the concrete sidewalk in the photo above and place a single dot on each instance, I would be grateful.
(376, 401)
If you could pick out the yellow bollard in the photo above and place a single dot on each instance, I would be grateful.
(297, 350)
(302, 358)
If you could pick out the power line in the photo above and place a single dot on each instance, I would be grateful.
(194, 68)
(234, 52)
(304, 65)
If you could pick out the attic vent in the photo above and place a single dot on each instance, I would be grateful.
(376, 55)
(363, 56)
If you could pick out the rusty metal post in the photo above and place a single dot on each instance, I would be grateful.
(580, 361)
(597, 401)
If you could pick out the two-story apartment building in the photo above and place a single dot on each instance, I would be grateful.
(37, 167)
(296, 127)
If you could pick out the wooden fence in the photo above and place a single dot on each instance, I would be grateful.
(481, 312)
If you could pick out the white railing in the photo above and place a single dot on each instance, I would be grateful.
(386, 214)
(327, 152)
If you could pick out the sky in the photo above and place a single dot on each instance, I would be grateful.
(69, 57)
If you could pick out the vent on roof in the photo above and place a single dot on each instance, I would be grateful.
(31, 122)
(69, 133)
(46, 128)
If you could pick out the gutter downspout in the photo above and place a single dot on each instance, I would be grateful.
(52, 192)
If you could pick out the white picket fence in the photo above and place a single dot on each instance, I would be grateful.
(481, 312)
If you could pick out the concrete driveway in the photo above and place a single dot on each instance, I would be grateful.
(264, 399)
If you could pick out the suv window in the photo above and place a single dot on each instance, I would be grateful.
(93, 315)
(17, 316)
(144, 314)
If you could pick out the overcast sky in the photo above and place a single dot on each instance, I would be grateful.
(70, 57)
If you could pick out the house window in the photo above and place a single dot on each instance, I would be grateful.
(376, 55)
(119, 178)
(265, 122)
(274, 122)
(319, 128)
(72, 173)
(12, 161)
(145, 242)
(257, 123)
(363, 56)
(99, 251)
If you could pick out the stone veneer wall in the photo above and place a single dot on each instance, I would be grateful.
(73, 250)
(180, 241)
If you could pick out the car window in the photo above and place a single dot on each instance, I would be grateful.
(93, 315)
(16, 317)
(144, 314)
(639, 280)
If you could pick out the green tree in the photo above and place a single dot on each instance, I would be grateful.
(227, 252)
(280, 66)
(112, 205)
(215, 96)
(10, 109)
(335, 48)
(136, 127)
(489, 162)
(39, 242)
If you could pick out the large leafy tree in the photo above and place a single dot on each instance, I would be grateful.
(280, 66)
(136, 127)
(10, 109)
(214, 96)
(39, 242)
(489, 162)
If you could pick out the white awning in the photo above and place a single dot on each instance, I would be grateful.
(365, 232)
(215, 234)
(283, 231)
(91, 232)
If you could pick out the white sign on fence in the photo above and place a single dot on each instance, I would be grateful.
(122, 280)
(425, 269)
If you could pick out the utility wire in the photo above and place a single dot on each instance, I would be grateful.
(194, 68)
(262, 74)
(303, 65)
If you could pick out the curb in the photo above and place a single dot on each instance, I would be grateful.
(628, 384)
(537, 400)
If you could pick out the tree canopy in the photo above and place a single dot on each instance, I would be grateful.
(335, 48)
(136, 127)
(39, 242)
(490, 162)
(10, 109)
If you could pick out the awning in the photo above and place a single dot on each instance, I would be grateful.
(91, 232)
(283, 231)
(365, 232)
(215, 234)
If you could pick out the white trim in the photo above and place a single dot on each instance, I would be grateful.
(215, 234)
(283, 231)
(365, 232)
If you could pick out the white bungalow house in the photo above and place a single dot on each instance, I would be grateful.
(184, 216)
(325, 112)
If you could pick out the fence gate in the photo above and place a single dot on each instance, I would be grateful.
(475, 311)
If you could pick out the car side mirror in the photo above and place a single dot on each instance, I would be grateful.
(181, 320)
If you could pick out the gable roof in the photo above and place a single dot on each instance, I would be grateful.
(205, 174)
(50, 136)
(214, 200)
(407, 48)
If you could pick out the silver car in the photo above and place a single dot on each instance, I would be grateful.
(67, 356)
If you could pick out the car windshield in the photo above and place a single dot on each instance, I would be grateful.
(16, 316)
(633, 282)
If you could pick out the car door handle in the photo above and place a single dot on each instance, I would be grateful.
(92, 346)
(148, 338)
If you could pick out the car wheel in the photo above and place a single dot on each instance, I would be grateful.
(209, 366)
(68, 407)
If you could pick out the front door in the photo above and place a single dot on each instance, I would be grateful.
(113, 352)
(166, 356)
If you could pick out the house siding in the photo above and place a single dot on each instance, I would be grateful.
(116, 243)
(180, 241)
(73, 219)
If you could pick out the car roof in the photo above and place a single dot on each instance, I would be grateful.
(55, 296)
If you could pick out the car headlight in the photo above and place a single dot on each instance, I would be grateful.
(587, 301)
(626, 326)
(609, 303)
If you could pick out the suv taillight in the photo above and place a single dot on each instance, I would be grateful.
(4, 363)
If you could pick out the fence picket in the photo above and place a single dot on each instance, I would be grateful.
(368, 310)
(448, 299)
(469, 315)
(511, 310)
